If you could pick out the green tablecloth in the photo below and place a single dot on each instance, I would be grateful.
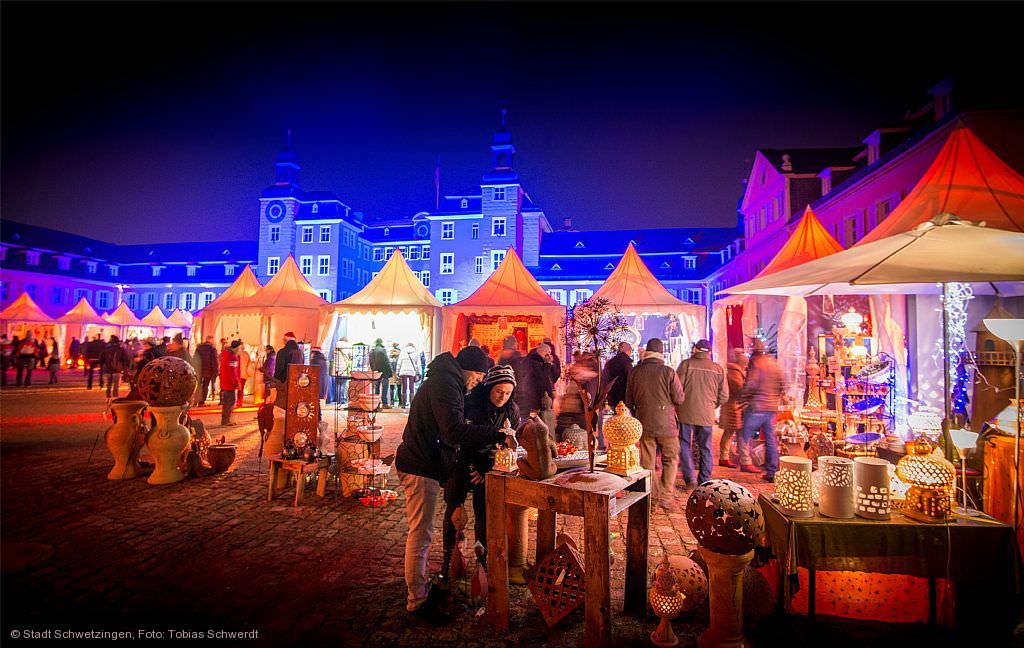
(967, 550)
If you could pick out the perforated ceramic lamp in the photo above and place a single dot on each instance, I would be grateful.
(931, 482)
(667, 602)
(622, 432)
(505, 458)
(836, 487)
(871, 488)
(793, 487)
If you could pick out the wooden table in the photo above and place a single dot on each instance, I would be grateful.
(597, 509)
(299, 469)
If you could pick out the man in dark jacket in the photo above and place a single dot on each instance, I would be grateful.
(151, 350)
(379, 361)
(93, 350)
(113, 362)
(533, 381)
(435, 429)
(654, 394)
(762, 392)
(290, 353)
(618, 367)
(703, 382)
(209, 367)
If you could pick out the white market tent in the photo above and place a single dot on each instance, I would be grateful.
(286, 304)
(25, 315)
(510, 291)
(394, 306)
(634, 290)
(84, 322)
(127, 323)
(218, 320)
(156, 319)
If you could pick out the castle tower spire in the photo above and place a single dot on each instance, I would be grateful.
(286, 165)
(503, 152)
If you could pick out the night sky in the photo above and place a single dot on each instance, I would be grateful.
(142, 122)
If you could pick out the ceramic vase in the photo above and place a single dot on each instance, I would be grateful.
(166, 442)
(793, 487)
(871, 483)
(221, 456)
(125, 438)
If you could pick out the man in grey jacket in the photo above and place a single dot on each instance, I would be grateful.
(703, 382)
(653, 394)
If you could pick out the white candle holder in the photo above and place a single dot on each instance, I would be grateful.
(836, 487)
(793, 488)
(871, 488)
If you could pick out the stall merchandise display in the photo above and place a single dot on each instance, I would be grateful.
(836, 487)
(360, 464)
(693, 582)
(126, 437)
(667, 602)
(167, 381)
(558, 581)
(622, 432)
(871, 487)
(931, 482)
(793, 488)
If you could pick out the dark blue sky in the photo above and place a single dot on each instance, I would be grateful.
(136, 122)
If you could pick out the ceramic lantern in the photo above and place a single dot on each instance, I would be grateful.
(621, 433)
(793, 487)
(724, 517)
(871, 488)
(505, 458)
(836, 487)
(667, 602)
(693, 582)
(931, 482)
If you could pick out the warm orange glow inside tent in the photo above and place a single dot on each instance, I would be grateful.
(967, 179)
(810, 240)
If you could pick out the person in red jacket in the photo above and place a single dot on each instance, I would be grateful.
(230, 380)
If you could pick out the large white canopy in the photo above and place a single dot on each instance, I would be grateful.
(942, 250)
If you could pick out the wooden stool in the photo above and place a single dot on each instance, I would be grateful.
(297, 468)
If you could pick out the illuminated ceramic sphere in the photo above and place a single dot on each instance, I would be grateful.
(621, 433)
(693, 582)
(724, 517)
(167, 381)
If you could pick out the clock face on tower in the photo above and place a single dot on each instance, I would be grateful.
(423, 230)
(275, 211)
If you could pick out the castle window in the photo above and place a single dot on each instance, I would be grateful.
(274, 234)
(425, 278)
(426, 253)
(103, 298)
(63, 263)
(306, 265)
(157, 270)
(448, 263)
(448, 231)
(131, 299)
(580, 295)
(387, 231)
(112, 270)
(316, 208)
(690, 263)
(168, 301)
(229, 270)
(499, 193)
(191, 270)
(497, 256)
(323, 265)
(205, 298)
(188, 301)
(90, 267)
(378, 254)
(325, 233)
(558, 295)
(31, 258)
(307, 233)
(476, 231)
(149, 301)
(478, 265)
(464, 204)
(414, 252)
(55, 295)
(324, 295)
(447, 296)
(273, 265)
(498, 226)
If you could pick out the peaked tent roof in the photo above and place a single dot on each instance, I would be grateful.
(123, 316)
(287, 289)
(394, 285)
(510, 285)
(182, 319)
(966, 179)
(245, 286)
(23, 309)
(82, 313)
(632, 286)
(810, 240)
(157, 318)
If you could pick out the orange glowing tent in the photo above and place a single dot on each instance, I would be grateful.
(966, 179)
(510, 290)
(810, 240)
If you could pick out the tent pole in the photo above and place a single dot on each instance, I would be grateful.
(947, 419)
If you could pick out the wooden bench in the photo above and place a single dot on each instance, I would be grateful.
(297, 468)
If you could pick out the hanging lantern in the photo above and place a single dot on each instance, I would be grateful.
(793, 487)
(931, 482)
(622, 432)
(667, 602)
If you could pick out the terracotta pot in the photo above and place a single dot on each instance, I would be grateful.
(221, 456)
(166, 442)
(125, 438)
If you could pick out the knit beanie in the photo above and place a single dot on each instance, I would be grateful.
(472, 359)
(499, 374)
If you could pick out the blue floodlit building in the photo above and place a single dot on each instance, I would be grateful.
(452, 249)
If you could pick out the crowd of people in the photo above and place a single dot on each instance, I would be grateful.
(24, 354)
(457, 418)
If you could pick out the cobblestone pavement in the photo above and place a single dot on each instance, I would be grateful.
(212, 554)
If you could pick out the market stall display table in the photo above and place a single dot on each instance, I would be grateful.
(597, 509)
(977, 550)
(297, 468)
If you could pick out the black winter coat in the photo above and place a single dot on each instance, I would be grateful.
(379, 361)
(619, 367)
(437, 423)
(290, 353)
(533, 380)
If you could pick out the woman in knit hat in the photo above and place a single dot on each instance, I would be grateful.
(489, 403)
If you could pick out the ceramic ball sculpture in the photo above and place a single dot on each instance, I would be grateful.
(727, 522)
(167, 384)
(693, 582)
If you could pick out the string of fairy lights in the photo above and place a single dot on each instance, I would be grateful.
(955, 300)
